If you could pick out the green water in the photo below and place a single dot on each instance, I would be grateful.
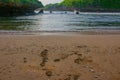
(61, 21)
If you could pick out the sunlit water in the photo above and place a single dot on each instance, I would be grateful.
(61, 21)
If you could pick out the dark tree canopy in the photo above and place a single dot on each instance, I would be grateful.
(18, 7)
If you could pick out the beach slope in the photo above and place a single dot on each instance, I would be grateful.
(59, 57)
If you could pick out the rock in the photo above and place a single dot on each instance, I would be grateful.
(41, 11)
(50, 11)
(77, 12)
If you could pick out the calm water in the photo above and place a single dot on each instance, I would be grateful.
(61, 21)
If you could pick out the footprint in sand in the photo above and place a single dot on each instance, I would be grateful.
(44, 55)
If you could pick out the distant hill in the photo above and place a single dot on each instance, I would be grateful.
(18, 7)
(87, 5)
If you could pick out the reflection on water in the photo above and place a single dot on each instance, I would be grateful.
(13, 24)
(62, 21)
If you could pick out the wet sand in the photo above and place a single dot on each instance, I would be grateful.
(59, 57)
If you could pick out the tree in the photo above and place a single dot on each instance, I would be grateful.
(18, 7)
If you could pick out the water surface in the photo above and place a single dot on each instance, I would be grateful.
(62, 21)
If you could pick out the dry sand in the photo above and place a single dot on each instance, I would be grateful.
(60, 57)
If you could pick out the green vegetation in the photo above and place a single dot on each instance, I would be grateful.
(18, 7)
(56, 6)
(114, 4)
(22, 2)
(87, 5)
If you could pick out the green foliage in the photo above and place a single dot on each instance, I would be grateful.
(112, 4)
(54, 6)
(87, 4)
(22, 2)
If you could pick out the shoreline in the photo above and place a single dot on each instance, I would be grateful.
(92, 32)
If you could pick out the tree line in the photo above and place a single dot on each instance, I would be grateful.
(86, 4)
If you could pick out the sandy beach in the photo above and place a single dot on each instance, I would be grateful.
(60, 57)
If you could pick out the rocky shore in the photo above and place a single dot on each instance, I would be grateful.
(99, 10)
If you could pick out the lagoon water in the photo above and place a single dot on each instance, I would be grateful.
(60, 21)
